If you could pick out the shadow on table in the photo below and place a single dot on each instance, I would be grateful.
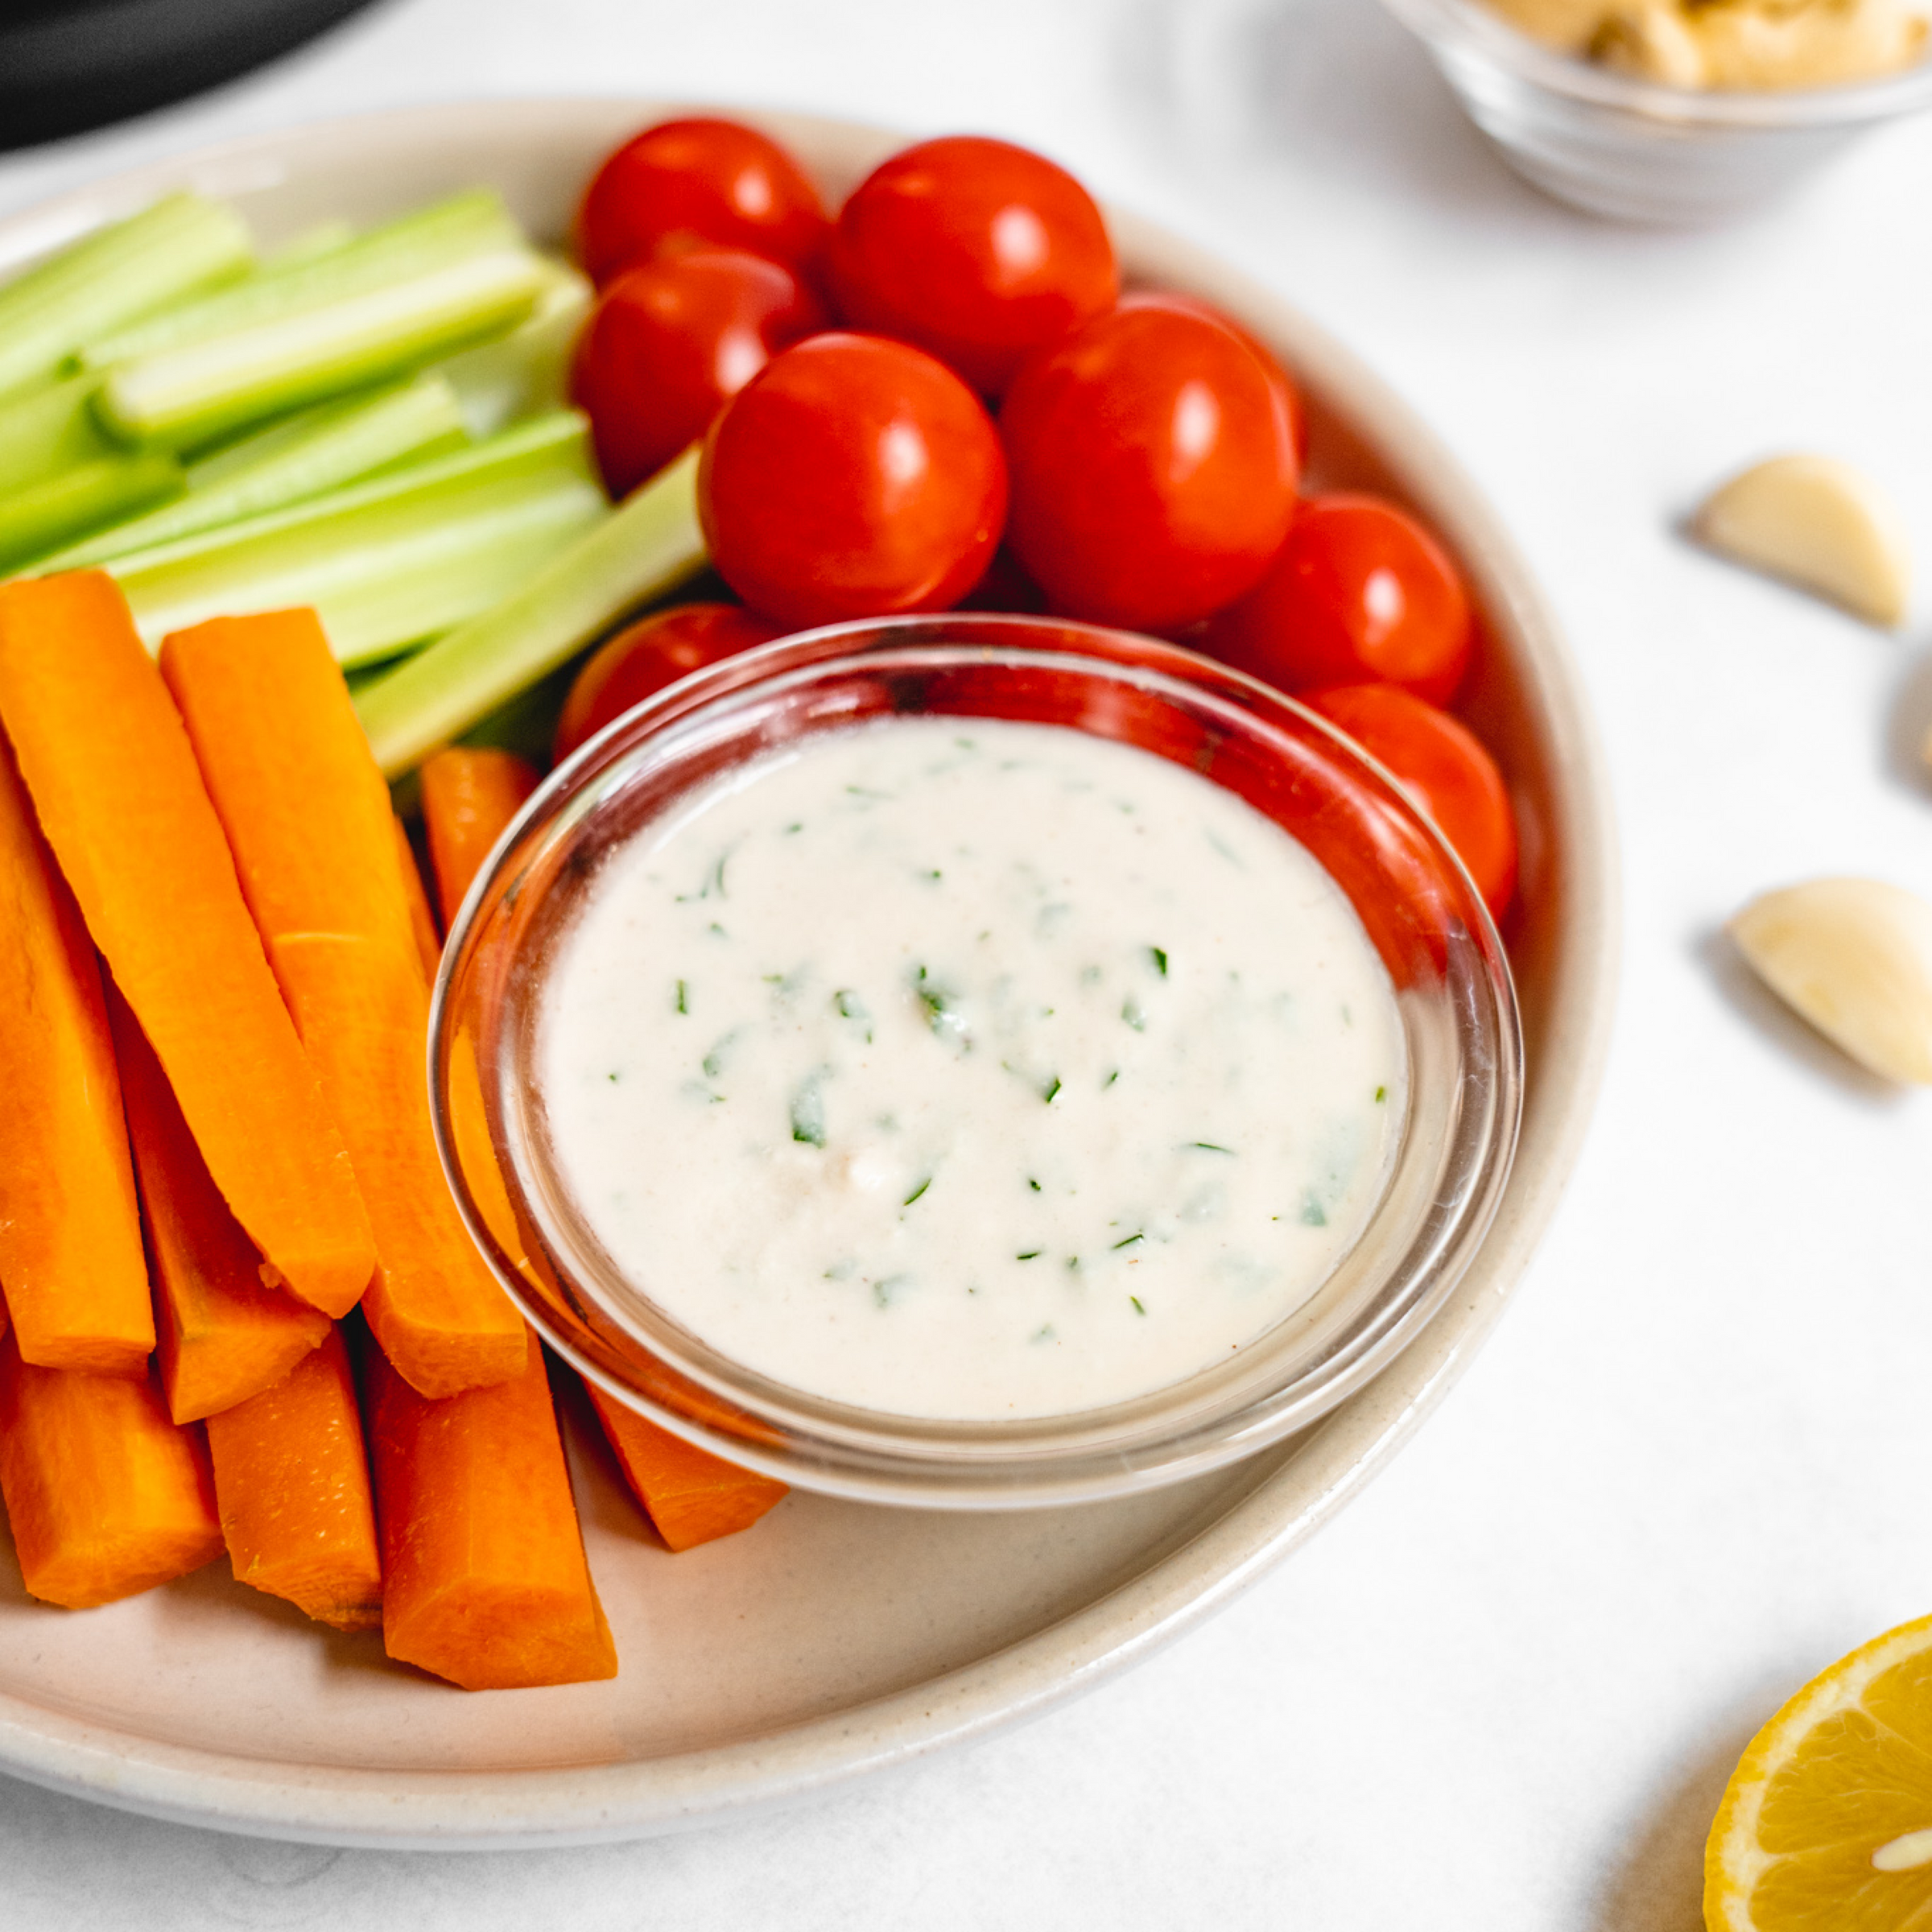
(1657, 1883)
(1909, 728)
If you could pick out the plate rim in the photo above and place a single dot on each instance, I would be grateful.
(591, 1803)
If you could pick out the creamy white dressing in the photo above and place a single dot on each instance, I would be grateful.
(971, 1070)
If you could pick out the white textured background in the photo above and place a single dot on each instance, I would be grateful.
(1504, 1690)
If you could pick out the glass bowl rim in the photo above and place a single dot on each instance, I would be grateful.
(1379, 1326)
(1468, 25)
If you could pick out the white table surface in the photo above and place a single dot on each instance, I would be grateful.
(1505, 1689)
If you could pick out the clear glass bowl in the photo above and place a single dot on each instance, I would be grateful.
(1457, 1003)
(1634, 150)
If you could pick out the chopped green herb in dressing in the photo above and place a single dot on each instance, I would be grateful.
(808, 1110)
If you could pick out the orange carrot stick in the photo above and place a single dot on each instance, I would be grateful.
(107, 766)
(468, 800)
(105, 1495)
(224, 1335)
(485, 1578)
(308, 817)
(468, 797)
(421, 921)
(690, 1495)
(292, 1480)
(71, 1263)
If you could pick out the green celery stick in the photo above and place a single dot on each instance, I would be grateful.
(427, 400)
(528, 371)
(183, 397)
(562, 437)
(648, 545)
(301, 456)
(81, 498)
(178, 247)
(389, 561)
(473, 223)
(310, 244)
(48, 429)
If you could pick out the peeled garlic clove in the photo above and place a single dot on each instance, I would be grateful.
(1854, 957)
(1817, 523)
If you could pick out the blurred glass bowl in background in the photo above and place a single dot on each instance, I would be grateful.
(1635, 150)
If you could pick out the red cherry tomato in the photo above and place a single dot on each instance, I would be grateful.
(1441, 763)
(1153, 467)
(974, 250)
(703, 185)
(670, 342)
(653, 652)
(851, 477)
(1297, 414)
(1360, 593)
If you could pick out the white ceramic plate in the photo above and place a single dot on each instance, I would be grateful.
(835, 1639)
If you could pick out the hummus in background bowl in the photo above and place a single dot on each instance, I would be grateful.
(1738, 44)
(1678, 113)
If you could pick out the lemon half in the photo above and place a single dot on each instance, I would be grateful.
(1827, 1819)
